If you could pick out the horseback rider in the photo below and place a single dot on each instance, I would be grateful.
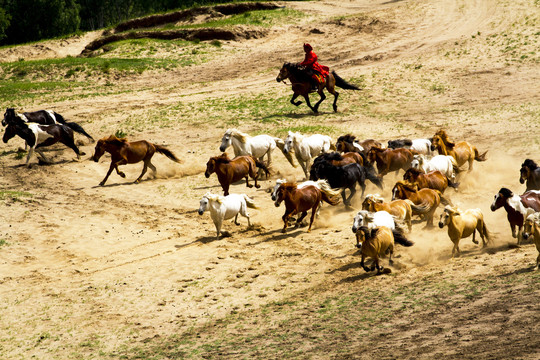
(316, 71)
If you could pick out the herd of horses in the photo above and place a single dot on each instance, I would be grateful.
(330, 168)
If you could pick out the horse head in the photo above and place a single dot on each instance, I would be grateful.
(500, 199)
(276, 187)
(284, 72)
(203, 204)
(11, 131)
(210, 167)
(362, 218)
(411, 175)
(361, 236)
(524, 174)
(226, 140)
(528, 226)
(289, 141)
(9, 115)
(446, 215)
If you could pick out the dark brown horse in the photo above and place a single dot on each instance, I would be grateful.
(338, 159)
(301, 85)
(230, 171)
(346, 143)
(390, 159)
(530, 173)
(125, 152)
(462, 151)
(299, 201)
(435, 180)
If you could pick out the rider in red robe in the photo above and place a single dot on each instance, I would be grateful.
(310, 62)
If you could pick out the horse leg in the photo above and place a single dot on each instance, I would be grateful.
(299, 220)
(30, 153)
(334, 105)
(308, 103)
(455, 249)
(244, 213)
(353, 191)
(316, 106)
(145, 168)
(218, 223)
(236, 220)
(70, 143)
(285, 219)
(295, 103)
(313, 213)
(113, 166)
(43, 157)
(474, 236)
(152, 167)
(391, 251)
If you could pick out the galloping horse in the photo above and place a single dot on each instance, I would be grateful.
(444, 163)
(401, 209)
(530, 173)
(299, 201)
(301, 85)
(229, 171)
(517, 207)
(346, 143)
(126, 152)
(337, 159)
(307, 147)
(462, 151)
(390, 159)
(375, 219)
(532, 228)
(432, 180)
(43, 117)
(37, 136)
(420, 146)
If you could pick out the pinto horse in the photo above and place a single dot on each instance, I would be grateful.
(432, 180)
(530, 173)
(301, 85)
(43, 117)
(299, 201)
(37, 136)
(420, 146)
(346, 143)
(126, 152)
(230, 171)
(390, 159)
(462, 151)
(517, 207)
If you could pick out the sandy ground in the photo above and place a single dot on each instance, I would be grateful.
(123, 263)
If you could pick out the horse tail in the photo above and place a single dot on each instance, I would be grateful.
(423, 208)
(289, 155)
(77, 128)
(444, 200)
(451, 183)
(343, 84)
(59, 118)
(163, 150)
(261, 165)
(328, 194)
(249, 202)
(400, 238)
(373, 177)
(478, 156)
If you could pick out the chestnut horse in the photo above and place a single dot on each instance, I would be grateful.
(435, 180)
(299, 201)
(230, 171)
(530, 173)
(425, 200)
(401, 209)
(125, 152)
(346, 143)
(390, 159)
(462, 151)
(531, 228)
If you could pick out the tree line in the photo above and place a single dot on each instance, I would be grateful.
(23, 21)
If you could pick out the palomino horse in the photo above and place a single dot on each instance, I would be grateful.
(378, 242)
(432, 180)
(346, 143)
(37, 136)
(462, 224)
(401, 209)
(531, 228)
(462, 151)
(230, 171)
(517, 207)
(420, 146)
(43, 117)
(307, 147)
(301, 85)
(443, 163)
(530, 173)
(299, 201)
(225, 207)
(425, 200)
(390, 159)
(125, 152)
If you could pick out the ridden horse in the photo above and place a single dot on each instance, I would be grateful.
(517, 207)
(43, 117)
(299, 201)
(432, 180)
(337, 159)
(301, 85)
(129, 152)
(401, 209)
(420, 146)
(226, 207)
(37, 136)
(378, 242)
(531, 227)
(230, 171)
(390, 159)
(345, 177)
(346, 143)
(444, 163)
(462, 151)
(462, 224)
(307, 147)
(530, 173)
(425, 201)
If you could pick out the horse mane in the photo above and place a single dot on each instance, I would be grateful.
(114, 140)
(222, 159)
(214, 197)
(452, 209)
(347, 138)
(375, 198)
(331, 156)
(444, 137)
(507, 193)
(237, 133)
(297, 71)
(289, 185)
(530, 164)
(534, 217)
(413, 171)
(407, 185)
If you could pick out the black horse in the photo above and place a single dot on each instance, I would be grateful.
(37, 136)
(345, 177)
(530, 173)
(43, 117)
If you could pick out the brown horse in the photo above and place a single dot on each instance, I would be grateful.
(348, 143)
(338, 159)
(462, 151)
(301, 85)
(530, 173)
(531, 228)
(435, 180)
(125, 152)
(390, 159)
(230, 171)
(425, 200)
(401, 209)
(300, 200)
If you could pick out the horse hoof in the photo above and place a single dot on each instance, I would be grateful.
(249, 186)
(101, 183)
(122, 174)
(257, 186)
(283, 231)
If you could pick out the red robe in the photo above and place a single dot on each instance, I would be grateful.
(311, 62)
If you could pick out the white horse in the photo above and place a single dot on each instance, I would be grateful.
(444, 163)
(421, 146)
(375, 219)
(307, 147)
(244, 144)
(225, 207)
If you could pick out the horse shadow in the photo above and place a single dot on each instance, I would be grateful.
(281, 236)
(202, 240)
(292, 115)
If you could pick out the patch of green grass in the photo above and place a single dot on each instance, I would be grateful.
(3, 242)
(14, 195)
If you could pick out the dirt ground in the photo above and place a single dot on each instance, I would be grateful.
(90, 272)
